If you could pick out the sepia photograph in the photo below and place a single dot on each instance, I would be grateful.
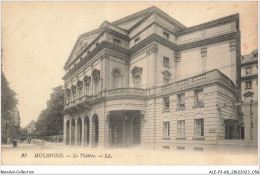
(129, 83)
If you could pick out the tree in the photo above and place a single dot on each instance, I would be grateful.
(8, 99)
(50, 121)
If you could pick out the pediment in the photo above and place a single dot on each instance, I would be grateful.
(82, 43)
(248, 94)
(129, 22)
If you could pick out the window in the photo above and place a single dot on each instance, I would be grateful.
(180, 148)
(166, 35)
(181, 100)
(166, 62)
(96, 79)
(73, 88)
(248, 70)
(255, 55)
(75, 64)
(68, 95)
(80, 58)
(181, 128)
(97, 43)
(166, 81)
(229, 131)
(199, 127)
(166, 104)
(166, 129)
(137, 40)
(166, 77)
(116, 78)
(116, 41)
(198, 97)
(197, 149)
(87, 80)
(88, 51)
(80, 88)
(136, 75)
(248, 84)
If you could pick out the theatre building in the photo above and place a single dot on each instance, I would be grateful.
(147, 80)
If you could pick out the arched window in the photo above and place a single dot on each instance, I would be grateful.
(116, 78)
(87, 80)
(68, 95)
(136, 75)
(80, 88)
(74, 89)
(96, 79)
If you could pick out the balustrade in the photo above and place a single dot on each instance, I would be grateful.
(197, 80)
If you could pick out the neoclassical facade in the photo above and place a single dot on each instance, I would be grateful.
(147, 80)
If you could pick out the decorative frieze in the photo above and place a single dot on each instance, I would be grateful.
(233, 45)
(203, 51)
(152, 49)
(166, 74)
(177, 56)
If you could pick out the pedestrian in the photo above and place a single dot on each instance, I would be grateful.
(14, 142)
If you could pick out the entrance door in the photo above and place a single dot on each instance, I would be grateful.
(116, 130)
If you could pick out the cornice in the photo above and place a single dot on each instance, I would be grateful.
(249, 77)
(220, 21)
(143, 44)
(209, 41)
(101, 46)
(94, 41)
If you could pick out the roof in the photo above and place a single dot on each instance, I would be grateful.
(250, 58)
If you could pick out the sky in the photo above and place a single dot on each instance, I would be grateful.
(37, 38)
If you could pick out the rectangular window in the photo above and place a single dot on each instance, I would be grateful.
(199, 127)
(229, 131)
(166, 35)
(137, 40)
(181, 128)
(166, 129)
(181, 100)
(248, 70)
(166, 62)
(180, 148)
(97, 43)
(198, 149)
(137, 83)
(166, 81)
(198, 97)
(116, 41)
(166, 104)
(248, 84)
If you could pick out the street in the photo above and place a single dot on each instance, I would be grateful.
(50, 153)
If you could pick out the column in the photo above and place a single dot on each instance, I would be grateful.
(70, 132)
(177, 59)
(203, 52)
(91, 138)
(101, 73)
(106, 136)
(123, 130)
(64, 130)
(76, 132)
(83, 131)
(233, 57)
